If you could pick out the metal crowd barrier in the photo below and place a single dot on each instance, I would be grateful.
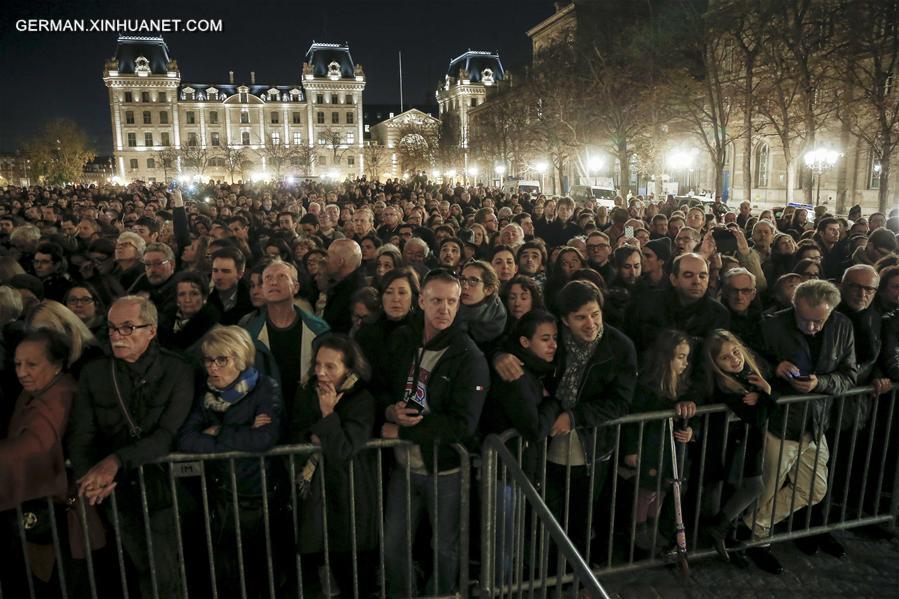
(861, 474)
(197, 555)
(545, 528)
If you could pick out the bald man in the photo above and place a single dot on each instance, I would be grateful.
(345, 275)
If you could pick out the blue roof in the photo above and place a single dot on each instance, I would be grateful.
(323, 54)
(473, 62)
(129, 48)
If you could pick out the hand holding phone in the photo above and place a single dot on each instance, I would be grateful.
(628, 231)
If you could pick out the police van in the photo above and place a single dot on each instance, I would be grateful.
(517, 186)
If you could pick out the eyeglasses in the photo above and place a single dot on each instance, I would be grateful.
(867, 290)
(159, 264)
(219, 361)
(470, 281)
(42, 262)
(741, 291)
(126, 329)
(80, 301)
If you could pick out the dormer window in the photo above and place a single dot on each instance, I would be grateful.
(141, 66)
(188, 93)
(243, 94)
(334, 70)
(487, 77)
(273, 95)
(212, 93)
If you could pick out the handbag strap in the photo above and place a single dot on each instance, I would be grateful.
(132, 426)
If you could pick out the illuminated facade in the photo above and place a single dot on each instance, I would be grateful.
(164, 127)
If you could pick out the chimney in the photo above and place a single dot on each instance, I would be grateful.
(252, 77)
(231, 77)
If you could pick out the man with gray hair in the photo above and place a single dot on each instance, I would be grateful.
(129, 408)
(345, 276)
(416, 254)
(157, 282)
(738, 294)
(813, 348)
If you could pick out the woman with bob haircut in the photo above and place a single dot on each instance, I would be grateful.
(238, 409)
(83, 346)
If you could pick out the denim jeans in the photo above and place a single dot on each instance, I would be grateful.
(445, 522)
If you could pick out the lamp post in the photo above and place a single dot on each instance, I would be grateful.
(594, 163)
(451, 175)
(541, 168)
(819, 161)
(473, 173)
(682, 160)
(500, 170)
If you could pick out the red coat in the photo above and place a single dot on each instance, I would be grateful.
(31, 458)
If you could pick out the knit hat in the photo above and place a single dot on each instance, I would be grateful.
(661, 247)
(883, 239)
(134, 239)
(28, 282)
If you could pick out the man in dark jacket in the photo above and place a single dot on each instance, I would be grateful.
(157, 282)
(739, 295)
(346, 275)
(128, 412)
(231, 294)
(434, 399)
(813, 348)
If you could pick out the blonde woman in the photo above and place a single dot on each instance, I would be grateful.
(83, 346)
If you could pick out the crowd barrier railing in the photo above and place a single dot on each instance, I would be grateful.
(849, 477)
(261, 525)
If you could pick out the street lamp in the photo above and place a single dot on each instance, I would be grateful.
(451, 175)
(541, 167)
(473, 173)
(819, 161)
(594, 163)
(681, 159)
(500, 170)
(435, 174)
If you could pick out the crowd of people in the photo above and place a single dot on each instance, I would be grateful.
(140, 320)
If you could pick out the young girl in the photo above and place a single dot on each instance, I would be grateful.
(662, 383)
(738, 383)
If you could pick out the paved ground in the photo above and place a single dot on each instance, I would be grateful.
(871, 570)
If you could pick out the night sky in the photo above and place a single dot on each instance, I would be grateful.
(46, 75)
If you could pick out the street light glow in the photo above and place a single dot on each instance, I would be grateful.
(594, 163)
(473, 171)
(541, 167)
(500, 170)
(435, 173)
(680, 159)
(451, 173)
(821, 159)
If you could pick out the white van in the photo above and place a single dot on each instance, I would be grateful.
(604, 196)
(522, 186)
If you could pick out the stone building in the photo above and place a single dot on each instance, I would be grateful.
(164, 126)
(410, 142)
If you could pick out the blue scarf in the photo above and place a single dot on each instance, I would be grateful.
(219, 400)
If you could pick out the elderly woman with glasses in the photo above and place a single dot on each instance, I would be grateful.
(238, 410)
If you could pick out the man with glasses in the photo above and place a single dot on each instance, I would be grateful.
(157, 282)
(433, 398)
(50, 267)
(599, 250)
(739, 297)
(129, 409)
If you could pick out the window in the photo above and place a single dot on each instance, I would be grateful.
(164, 139)
(761, 165)
(275, 118)
(874, 170)
(162, 97)
(214, 118)
(335, 99)
(320, 118)
(191, 117)
(276, 138)
(192, 139)
(297, 138)
(474, 102)
(132, 140)
(296, 118)
(243, 98)
(145, 97)
(129, 117)
(319, 98)
(351, 161)
(349, 118)
(214, 138)
(129, 97)
(335, 118)
(133, 164)
(163, 118)
(351, 138)
(349, 99)
(321, 139)
(244, 117)
(245, 138)
(148, 118)
(323, 161)
(148, 139)
(151, 163)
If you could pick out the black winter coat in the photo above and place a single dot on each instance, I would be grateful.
(343, 433)
(659, 310)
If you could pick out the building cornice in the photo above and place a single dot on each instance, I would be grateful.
(550, 21)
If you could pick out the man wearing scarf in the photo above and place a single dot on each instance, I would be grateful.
(128, 412)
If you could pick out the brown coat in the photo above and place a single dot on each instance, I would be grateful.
(31, 457)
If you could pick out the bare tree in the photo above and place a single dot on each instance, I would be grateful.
(450, 153)
(276, 156)
(374, 156)
(233, 156)
(335, 142)
(416, 147)
(194, 158)
(305, 158)
(167, 158)
(58, 153)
